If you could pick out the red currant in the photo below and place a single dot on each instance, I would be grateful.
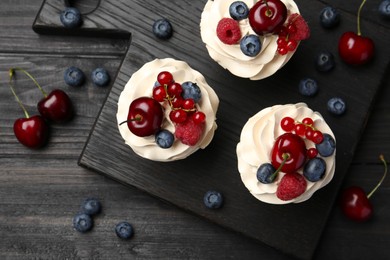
(281, 42)
(283, 32)
(311, 153)
(165, 78)
(300, 129)
(292, 45)
(291, 29)
(308, 121)
(177, 102)
(318, 137)
(282, 50)
(178, 116)
(188, 104)
(309, 133)
(159, 93)
(199, 117)
(174, 89)
(287, 124)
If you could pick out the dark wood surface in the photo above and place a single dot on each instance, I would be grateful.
(41, 190)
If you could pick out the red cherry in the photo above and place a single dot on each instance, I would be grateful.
(290, 149)
(165, 78)
(56, 106)
(178, 116)
(159, 93)
(32, 132)
(267, 16)
(355, 204)
(355, 49)
(145, 116)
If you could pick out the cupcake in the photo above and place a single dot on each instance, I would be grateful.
(286, 153)
(252, 39)
(167, 111)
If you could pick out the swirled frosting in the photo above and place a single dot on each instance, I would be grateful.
(256, 141)
(230, 57)
(141, 84)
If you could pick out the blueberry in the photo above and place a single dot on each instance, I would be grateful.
(213, 200)
(71, 17)
(100, 77)
(164, 139)
(329, 17)
(162, 29)
(325, 61)
(74, 76)
(337, 106)
(327, 147)
(91, 206)
(191, 90)
(265, 173)
(238, 10)
(314, 169)
(308, 87)
(82, 222)
(384, 9)
(250, 45)
(124, 230)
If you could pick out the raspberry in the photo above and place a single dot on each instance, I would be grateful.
(189, 132)
(228, 31)
(302, 29)
(291, 186)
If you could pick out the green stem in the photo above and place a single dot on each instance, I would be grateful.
(285, 156)
(31, 77)
(11, 73)
(382, 158)
(136, 118)
(359, 32)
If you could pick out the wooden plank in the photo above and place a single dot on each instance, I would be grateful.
(144, 47)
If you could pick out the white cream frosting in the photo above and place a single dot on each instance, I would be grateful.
(230, 57)
(141, 84)
(256, 141)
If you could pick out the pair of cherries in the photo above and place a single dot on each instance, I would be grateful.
(56, 106)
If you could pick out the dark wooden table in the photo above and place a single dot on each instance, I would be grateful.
(41, 190)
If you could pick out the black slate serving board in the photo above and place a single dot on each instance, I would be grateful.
(292, 229)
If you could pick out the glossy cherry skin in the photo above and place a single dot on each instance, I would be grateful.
(145, 116)
(292, 145)
(355, 204)
(56, 107)
(267, 16)
(32, 132)
(355, 49)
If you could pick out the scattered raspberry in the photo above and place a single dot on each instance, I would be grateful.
(302, 29)
(228, 31)
(189, 132)
(291, 186)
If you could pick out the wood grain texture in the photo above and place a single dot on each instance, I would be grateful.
(40, 191)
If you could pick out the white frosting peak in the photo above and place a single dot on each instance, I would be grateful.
(257, 139)
(141, 84)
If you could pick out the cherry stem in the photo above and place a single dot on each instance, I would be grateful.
(358, 17)
(136, 118)
(285, 156)
(30, 76)
(11, 72)
(382, 158)
(268, 13)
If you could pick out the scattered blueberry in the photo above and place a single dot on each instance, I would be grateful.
(91, 206)
(239, 10)
(213, 200)
(314, 169)
(124, 230)
(308, 87)
(329, 17)
(327, 147)
(164, 139)
(82, 222)
(325, 61)
(336, 106)
(191, 90)
(74, 76)
(71, 17)
(250, 45)
(100, 77)
(384, 9)
(265, 173)
(162, 29)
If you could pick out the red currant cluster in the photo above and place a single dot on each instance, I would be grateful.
(304, 129)
(170, 91)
